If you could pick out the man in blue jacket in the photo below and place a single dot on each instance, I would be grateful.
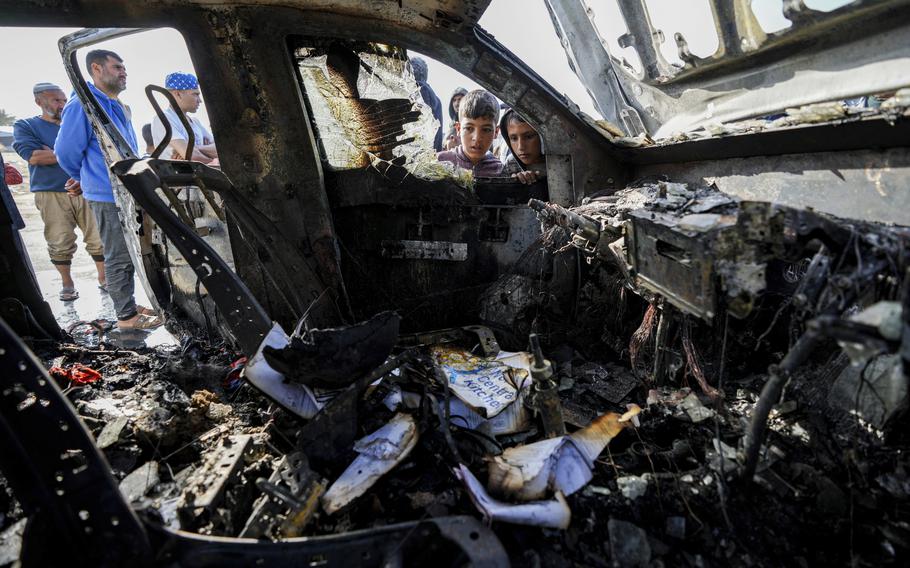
(79, 154)
(58, 197)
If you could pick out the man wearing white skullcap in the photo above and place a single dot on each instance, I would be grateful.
(185, 89)
(58, 196)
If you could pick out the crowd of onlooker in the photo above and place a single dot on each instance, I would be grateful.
(478, 140)
(70, 180)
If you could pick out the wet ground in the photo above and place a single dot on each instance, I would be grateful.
(93, 303)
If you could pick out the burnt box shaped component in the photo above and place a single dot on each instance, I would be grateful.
(675, 257)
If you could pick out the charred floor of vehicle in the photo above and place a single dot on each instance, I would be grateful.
(688, 351)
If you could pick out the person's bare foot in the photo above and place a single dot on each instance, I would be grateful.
(140, 321)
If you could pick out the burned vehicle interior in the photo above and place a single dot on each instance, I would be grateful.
(688, 345)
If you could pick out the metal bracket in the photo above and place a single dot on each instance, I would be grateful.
(168, 131)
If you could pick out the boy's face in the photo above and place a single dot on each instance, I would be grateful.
(476, 135)
(456, 100)
(525, 142)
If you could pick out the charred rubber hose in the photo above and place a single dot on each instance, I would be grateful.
(770, 394)
(822, 327)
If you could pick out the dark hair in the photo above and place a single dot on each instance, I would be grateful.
(419, 68)
(99, 56)
(515, 118)
(147, 134)
(479, 104)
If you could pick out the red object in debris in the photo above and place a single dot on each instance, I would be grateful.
(232, 380)
(77, 373)
(11, 175)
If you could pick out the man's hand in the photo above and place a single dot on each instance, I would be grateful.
(527, 177)
(73, 187)
(43, 157)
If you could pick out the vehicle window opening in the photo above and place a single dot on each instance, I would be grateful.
(684, 26)
(367, 110)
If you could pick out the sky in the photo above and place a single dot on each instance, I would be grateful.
(535, 39)
(151, 55)
(44, 63)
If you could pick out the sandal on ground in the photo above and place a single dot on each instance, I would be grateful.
(68, 294)
(146, 311)
(142, 322)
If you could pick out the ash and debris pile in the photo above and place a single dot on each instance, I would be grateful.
(730, 388)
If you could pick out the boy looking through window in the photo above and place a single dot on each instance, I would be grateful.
(526, 161)
(478, 115)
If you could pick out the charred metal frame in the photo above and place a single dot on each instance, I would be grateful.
(168, 130)
(259, 117)
(752, 73)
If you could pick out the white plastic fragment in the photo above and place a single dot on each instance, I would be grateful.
(295, 397)
(562, 464)
(695, 409)
(379, 452)
(554, 513)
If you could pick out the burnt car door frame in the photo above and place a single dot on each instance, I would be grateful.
(576, 148)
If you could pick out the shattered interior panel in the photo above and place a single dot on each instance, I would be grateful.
(690, 353)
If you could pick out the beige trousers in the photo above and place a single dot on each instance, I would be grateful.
(62, 213)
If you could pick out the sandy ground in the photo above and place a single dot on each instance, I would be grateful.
(92, 303)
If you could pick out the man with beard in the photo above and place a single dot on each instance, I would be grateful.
(80, 156)
(58, 196)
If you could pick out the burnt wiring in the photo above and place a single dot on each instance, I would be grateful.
(842, 290)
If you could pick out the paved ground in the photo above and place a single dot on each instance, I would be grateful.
(92, 303)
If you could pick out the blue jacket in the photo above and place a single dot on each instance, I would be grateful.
(77, 148)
